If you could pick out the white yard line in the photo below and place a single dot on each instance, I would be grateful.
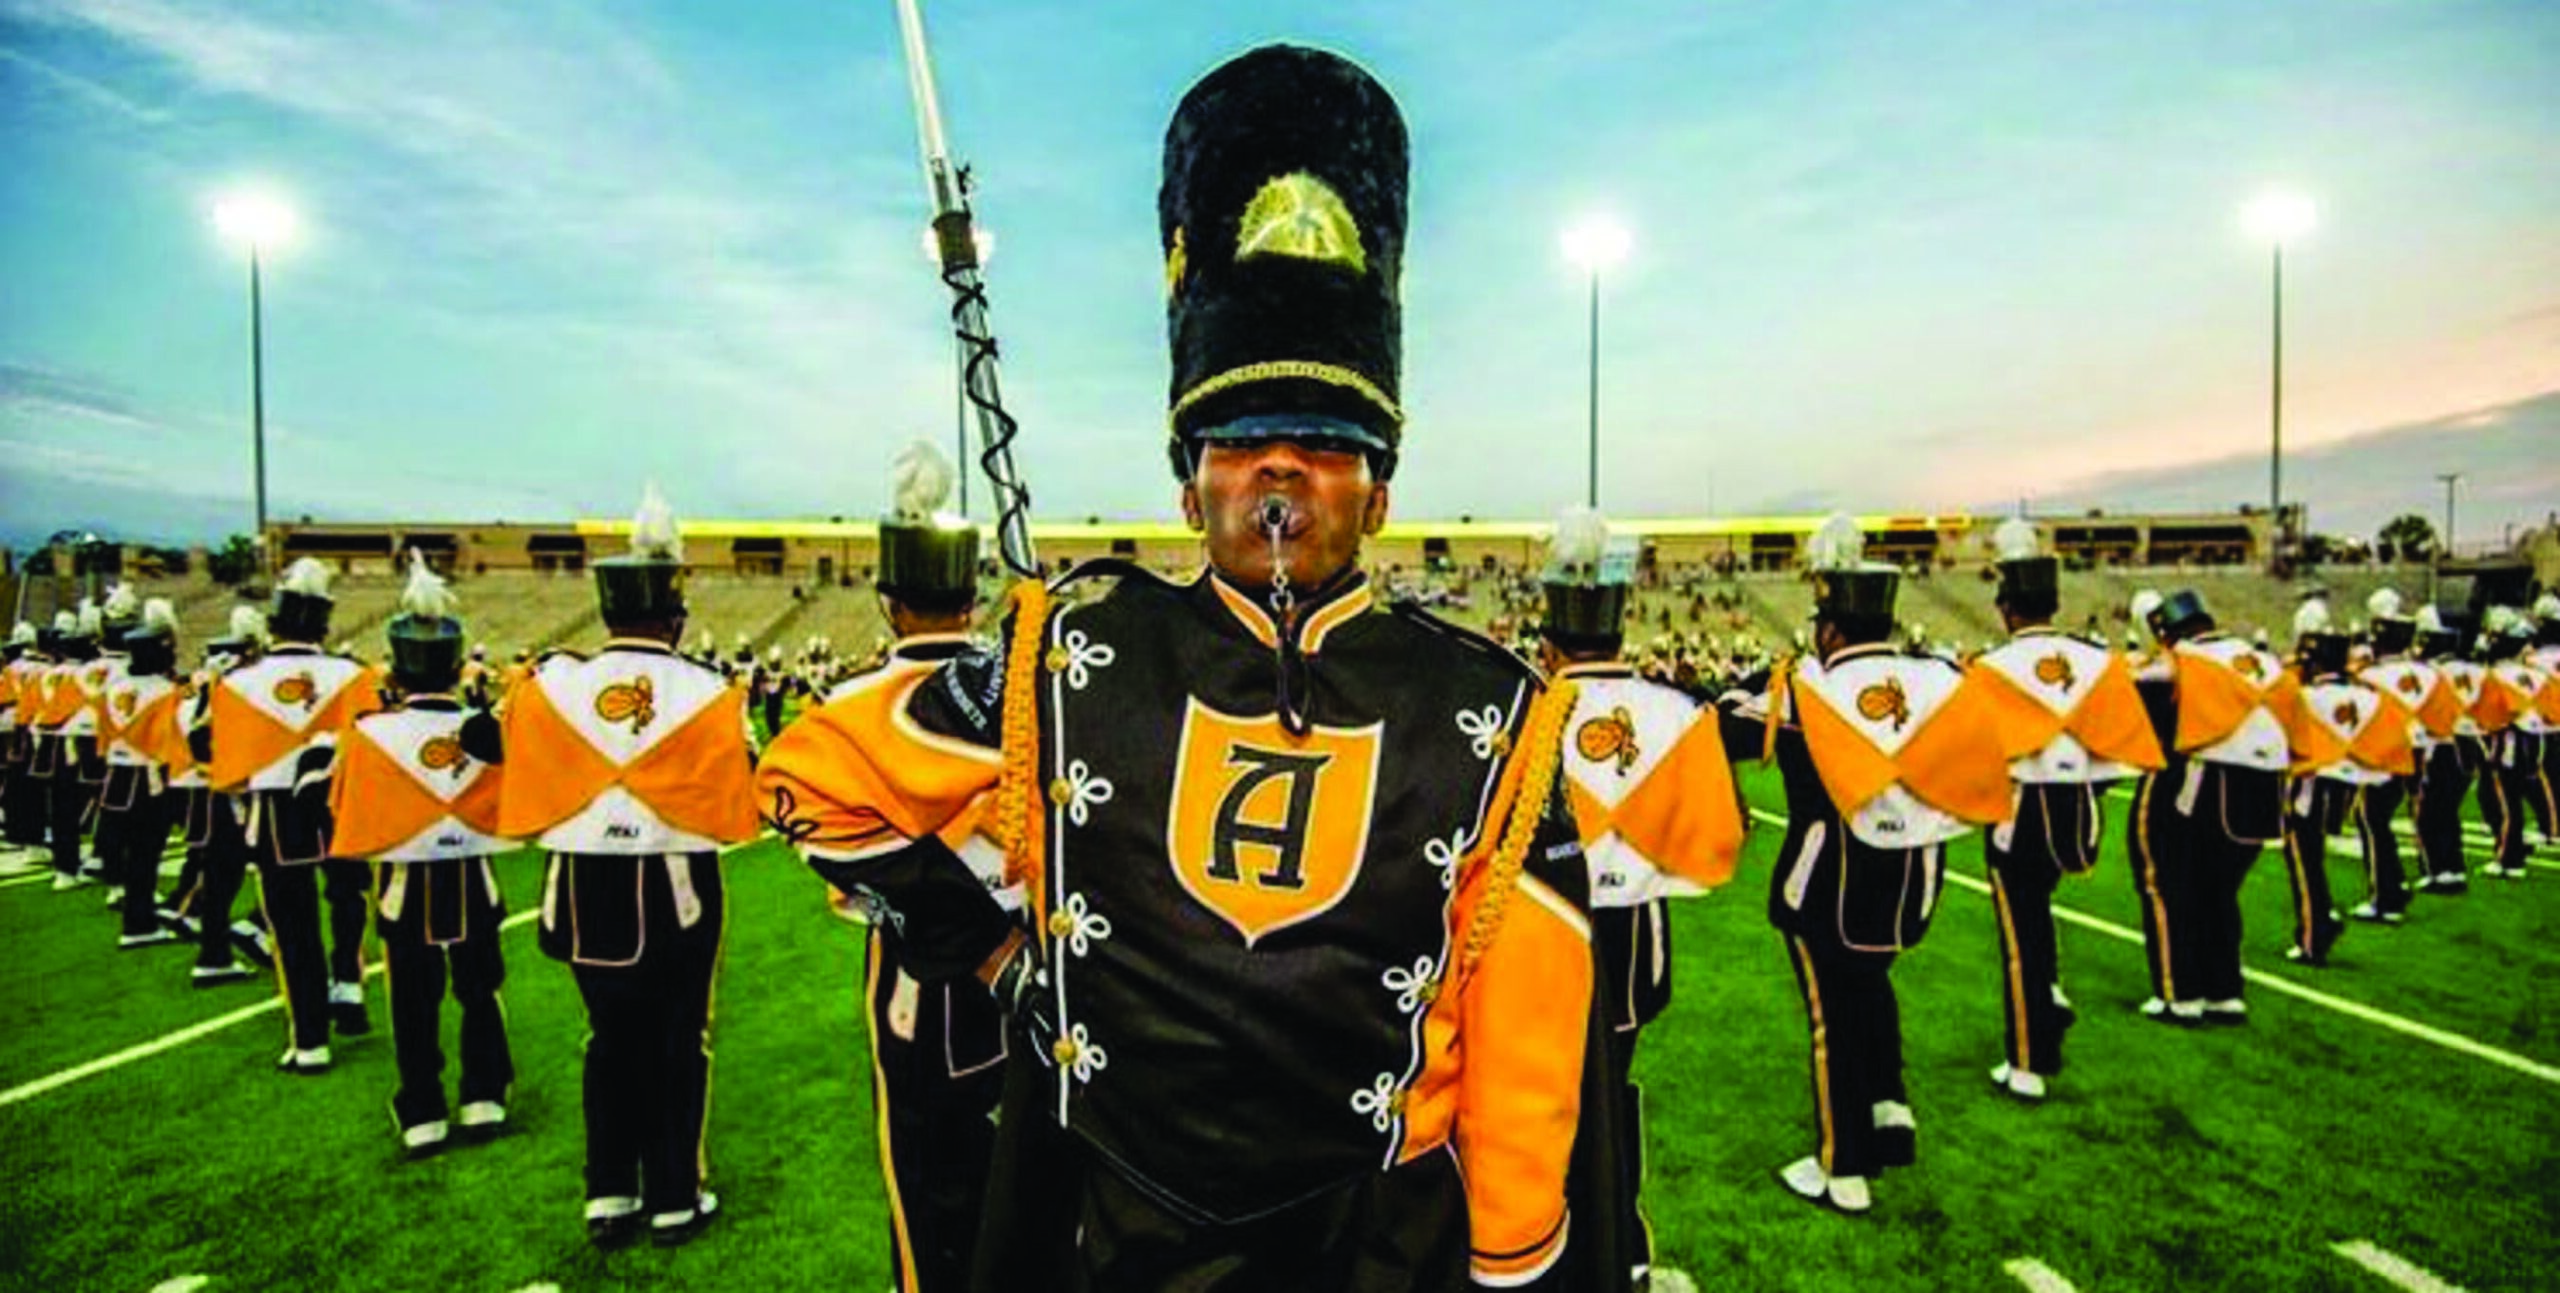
(2037, 1276)
(171, 1041)
(2353, 1010)
(2393, 1267)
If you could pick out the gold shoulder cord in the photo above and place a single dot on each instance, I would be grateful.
(1542, 738)
(1775, 718)
(1020, 739)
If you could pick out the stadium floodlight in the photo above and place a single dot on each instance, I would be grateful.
(1595, 243)
(260, 221)
(2278, 216)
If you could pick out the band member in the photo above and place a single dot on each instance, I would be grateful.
(416, 791)
(1887, 757)
(2545, 657)
(21, 795)
(2419, 692)
(119, 615)
(938, 1043)
(214, 821)
(2356, 738)
(631, 768)
(2071, 721)
(2221, 798)
(66, 748)
(138, 724)
(2514, 691)
(1654, 801)
(1307, 991)
(275, 725)
(2447, 643)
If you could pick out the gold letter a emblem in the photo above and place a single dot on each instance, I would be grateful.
(1298, 215)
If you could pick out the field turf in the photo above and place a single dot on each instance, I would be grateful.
(2229, 1158)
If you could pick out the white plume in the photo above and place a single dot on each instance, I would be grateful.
(2500, 621)
(2384, 604)
(66, 623)
(740, 642)
(2258, 636)
(2311, 617)
(122, 602)
(2017, 540)
(426, 597)
(2143, 604)
(1581, 536)
(160, 612)
(2429, 619)
(23, 635)
(653, 527)
(920, 481)
(2546, 608)
(91, 618)
(248, 623)
(1838, 545)
(307, 577)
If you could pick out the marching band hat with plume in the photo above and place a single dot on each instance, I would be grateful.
(77, 631)
(2391, 628)
(2182, 615)
(1282, 220)
(153, 640)
(119, 617)
(426, 636)
(928, 560)
(1588, 577)
(2441, 638)
(302, 603)
(246, 632)
(2323, 646)
(1847, 586)
(645, 586)
(2030, 577)
(2546, 619)
(22, 639)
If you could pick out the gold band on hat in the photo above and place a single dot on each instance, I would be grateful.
(1279, 369)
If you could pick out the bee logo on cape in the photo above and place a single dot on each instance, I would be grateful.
(1266, 829)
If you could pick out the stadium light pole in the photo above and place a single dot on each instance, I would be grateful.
(259, 221)
(986, 240)
(1595, 244)
(2444, 550)
(2277, 216)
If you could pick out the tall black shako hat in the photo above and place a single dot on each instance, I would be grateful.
(2321, 644)
(118, 618)
(1847, 586)
(152, 641)
(2182, 615)
(2388, 623)
(1282, 215)
(2030, 577)
(302, 606)
(645, 585)
(1587, 580)
(426, 636)
(928, 560)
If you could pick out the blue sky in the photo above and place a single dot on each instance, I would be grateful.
(1922, 254)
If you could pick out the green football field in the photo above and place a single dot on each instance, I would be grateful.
(2402, 1107)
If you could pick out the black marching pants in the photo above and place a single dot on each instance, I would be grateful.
(2447, 778)
(291, 895)
(2165, 885)
(1631, 986)
(439, 925)
(22, 794)
(1857, 1052)
(134, 822)
(648, 1062)
(219, 852)
(2386, 886)
(2511, 787)
(937, 1071)
(2315, 810)
(2055, 831)
(68, 798)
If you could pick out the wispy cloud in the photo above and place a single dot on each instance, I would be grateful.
(87, 92)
